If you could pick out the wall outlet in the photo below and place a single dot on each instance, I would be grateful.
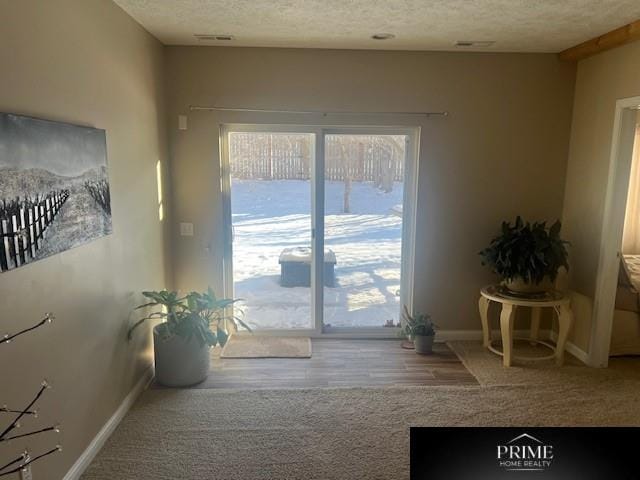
(186, 229)
(25, 473)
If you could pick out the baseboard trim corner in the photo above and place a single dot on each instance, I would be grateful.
(453, 335)
(572, 348)
(81, 464)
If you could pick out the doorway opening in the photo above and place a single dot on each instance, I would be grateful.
(614, 315)
(625, 329)
(320, 226)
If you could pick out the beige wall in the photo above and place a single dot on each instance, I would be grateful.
(85, 62)
(600, 81)
(501, 152)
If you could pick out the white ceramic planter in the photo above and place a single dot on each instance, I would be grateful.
(423, 344)
(179, 363)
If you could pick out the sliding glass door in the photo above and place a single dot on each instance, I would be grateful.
(270, 188)
(317, 231)
(363, 208)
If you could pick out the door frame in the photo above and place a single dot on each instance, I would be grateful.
(622, 143)
(409, 218)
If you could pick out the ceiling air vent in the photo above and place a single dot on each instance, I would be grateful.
(474, 43)
(213, 37)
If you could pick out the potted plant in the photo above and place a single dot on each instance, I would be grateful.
(192, 325)
(527, 256)
(421, 330)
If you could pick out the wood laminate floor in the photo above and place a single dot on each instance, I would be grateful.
(342, 363)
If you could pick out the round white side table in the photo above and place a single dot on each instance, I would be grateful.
(560, 303)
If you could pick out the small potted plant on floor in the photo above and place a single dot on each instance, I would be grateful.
(421, 330)
(192, 325)
(527, 256)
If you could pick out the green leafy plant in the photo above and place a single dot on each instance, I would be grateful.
(419, 324)
(530, 251)
(199, 315)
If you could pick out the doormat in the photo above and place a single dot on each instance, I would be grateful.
(259, 346)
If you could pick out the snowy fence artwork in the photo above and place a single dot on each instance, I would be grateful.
(54, 188)
(366, 158)
(23, 226)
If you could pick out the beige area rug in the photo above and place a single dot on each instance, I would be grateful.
(348, 433)
(487, 367)
(260, 346)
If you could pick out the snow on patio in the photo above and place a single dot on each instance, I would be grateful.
(271, 215)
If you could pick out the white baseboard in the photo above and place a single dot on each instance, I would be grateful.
(572, 348)
(78, 468)
(461, 335)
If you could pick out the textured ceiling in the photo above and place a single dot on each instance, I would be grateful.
(515, 25)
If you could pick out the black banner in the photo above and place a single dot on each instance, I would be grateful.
(474, 453)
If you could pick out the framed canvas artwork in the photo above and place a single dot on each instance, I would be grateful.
(54, 188)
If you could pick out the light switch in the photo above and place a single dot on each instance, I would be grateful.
(186, 229)
(182, 122)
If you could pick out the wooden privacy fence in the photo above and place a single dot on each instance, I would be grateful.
(23, 224)
(270, 156)
(374, 158)
(365, 158)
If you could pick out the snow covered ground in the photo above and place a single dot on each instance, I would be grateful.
(269, 216)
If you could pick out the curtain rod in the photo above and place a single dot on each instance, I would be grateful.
(267, 110)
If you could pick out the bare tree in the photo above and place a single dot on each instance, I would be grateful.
(345, 160)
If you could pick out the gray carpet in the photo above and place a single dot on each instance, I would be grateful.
(341, 433)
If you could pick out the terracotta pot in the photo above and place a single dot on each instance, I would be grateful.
(179, 363)
(519, 285)
(423, 344)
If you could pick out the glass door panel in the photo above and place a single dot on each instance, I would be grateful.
(363, 203)
(270, 188)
